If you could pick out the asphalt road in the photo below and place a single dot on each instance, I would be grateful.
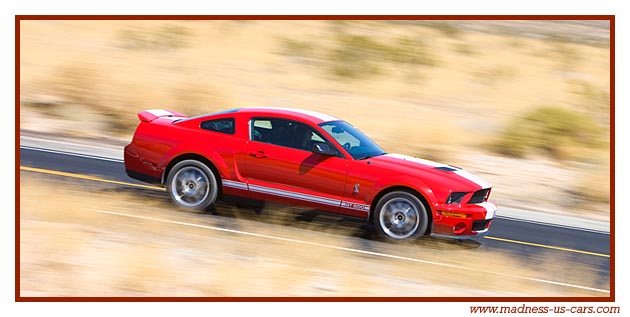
(523, 238)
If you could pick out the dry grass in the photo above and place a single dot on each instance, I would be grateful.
(67, 249)
(593, 185)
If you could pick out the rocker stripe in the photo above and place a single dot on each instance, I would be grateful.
(295, 195)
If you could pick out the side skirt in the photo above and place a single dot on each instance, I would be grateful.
(144, 177)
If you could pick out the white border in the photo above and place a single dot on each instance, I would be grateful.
(10, 8)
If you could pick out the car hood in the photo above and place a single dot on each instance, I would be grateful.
(448, 176)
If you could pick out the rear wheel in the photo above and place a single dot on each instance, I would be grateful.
(192, 185)
(400, 216)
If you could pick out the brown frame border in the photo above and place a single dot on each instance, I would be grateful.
(610, 18)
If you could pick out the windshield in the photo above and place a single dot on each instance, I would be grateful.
(353, 140)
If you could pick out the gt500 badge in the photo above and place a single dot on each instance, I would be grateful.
(349, 205)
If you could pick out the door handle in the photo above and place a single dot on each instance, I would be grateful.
(258, 154)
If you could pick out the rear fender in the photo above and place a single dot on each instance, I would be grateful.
(213, 156)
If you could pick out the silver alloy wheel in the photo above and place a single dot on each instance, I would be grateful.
(399, 218)
(190, 186)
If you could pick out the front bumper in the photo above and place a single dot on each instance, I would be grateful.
(463, 221)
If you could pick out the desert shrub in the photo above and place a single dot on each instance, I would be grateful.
(592, 99)
(594, 185)
(551, 130)
(340, 26)
(405, 50)
(360, 56)
(80, 88)
(464, 49)
(162, 38)
(302, 50)
(448, 28)
(587, 38)
(566, 56)
(493, 75)
(79, 82)
(355, 56)
(117, 122)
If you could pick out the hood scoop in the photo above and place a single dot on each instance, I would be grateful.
(448, 168)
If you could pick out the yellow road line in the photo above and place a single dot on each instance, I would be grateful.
(98, 179)
(547, 246)
(86, 177)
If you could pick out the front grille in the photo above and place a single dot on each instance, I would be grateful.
(479, 225)
(479, 196)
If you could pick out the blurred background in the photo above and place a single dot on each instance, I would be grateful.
(523, 104)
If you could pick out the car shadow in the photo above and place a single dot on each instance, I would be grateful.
(223, 211)
(311, 161)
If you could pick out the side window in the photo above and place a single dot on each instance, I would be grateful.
(284, 132)
(261, 131)
(219, 125)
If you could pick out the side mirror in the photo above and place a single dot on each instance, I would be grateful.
(323, 149)
(336, 129)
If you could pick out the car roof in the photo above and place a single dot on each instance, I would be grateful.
(306, 115)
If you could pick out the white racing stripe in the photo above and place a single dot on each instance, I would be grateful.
(318, 115)
(461, 172)
(160, 112)
(377, 254)
(475, 179)
(234, 184)
(294, 195)
(415, 160)
(491, 209)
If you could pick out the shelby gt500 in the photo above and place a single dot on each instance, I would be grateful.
(309, 159)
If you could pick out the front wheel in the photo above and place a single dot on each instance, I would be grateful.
(192, 185)
(400, 216)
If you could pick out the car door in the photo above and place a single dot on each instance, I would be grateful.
(280, 166)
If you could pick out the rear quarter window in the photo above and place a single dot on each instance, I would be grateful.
(225, 125)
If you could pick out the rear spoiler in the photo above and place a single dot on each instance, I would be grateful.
(152, 114)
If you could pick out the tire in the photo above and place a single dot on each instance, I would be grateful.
(400, 216)
(192, 185)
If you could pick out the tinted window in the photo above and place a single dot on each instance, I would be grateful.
(219, 125)
(353, 140)
(285, 133)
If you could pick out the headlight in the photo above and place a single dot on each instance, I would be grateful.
(456, 197)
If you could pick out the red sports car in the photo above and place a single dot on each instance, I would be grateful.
(305, 158)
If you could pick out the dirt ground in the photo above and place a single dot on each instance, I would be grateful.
(69, 247)
(89, 78)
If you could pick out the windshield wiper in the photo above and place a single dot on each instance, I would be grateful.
(370, 156)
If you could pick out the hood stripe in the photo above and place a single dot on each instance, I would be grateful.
(460, 172)
(415, 160)
(475, 179)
